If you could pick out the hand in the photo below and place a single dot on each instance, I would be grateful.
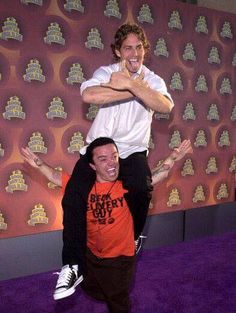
(140, 80)
(184, 148)
(119, 80)
(31, 158)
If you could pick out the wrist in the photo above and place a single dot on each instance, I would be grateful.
(38, 162)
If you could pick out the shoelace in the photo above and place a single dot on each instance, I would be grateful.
(64, 276)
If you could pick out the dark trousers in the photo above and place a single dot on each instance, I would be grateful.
(109, 280)
(74, 205)
(136, 177)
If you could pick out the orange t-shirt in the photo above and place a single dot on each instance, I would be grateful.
(64, 177)
(109, 221)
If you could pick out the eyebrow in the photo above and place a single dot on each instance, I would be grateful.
(105, 156)
(138, 45)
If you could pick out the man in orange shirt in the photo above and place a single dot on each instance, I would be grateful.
(110, 252)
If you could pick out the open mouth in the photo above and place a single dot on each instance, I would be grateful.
(134, 62)
(133, 65)
(112, 171)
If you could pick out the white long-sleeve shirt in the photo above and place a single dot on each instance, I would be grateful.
(128, 123)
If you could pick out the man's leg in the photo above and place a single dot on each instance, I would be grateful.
(136, 177)
(74, 205)
(110, 280)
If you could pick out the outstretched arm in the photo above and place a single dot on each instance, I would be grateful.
(161, 172)
(49, 172)
(158, 173)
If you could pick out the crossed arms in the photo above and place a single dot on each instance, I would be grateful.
(122, 86)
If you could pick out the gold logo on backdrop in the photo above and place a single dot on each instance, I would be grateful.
(200, 139)
(175, 140)
(187, 168)
(175, 21)
(161, 48)
(34, 72)
(214, 56)
(76, 74)
(161, 116)
(222, 192)
(37, 2)
(92, 111)
(94, 40)
(211, 166)
(213, 114)
(38, 215)
(199, 195)
(201, 26)
(54, 34)
(189, 113)
(10, 30)
(56, 109)
(145, 14)
(36, 143)
(201, 85)
(226, 31)
(225, 87)
(76, 143)
(233, 165)
(189, 52)
(233, 115)
(176, 82)
(1, 151)
(74, 5)
(224, 139)
(13, 109)
(16, 182)
(3, 225)
(174, 198)
(112, 9)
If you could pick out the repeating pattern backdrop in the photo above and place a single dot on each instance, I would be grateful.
(49, 47)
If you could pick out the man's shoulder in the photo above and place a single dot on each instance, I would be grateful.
(150, 73)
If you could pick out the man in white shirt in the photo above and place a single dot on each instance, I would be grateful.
(128, 93)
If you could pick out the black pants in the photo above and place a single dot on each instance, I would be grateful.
(109, 280)
(74, 205)
(136, 177)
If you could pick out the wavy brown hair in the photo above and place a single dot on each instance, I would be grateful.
(122, 34)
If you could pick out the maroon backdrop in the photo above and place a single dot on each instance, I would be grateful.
(47, 48)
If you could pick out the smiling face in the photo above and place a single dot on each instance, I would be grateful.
(106, 162)
(132, 51)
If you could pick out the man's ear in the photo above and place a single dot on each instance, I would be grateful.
(92, 166)
(117, 53)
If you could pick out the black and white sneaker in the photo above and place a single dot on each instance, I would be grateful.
(139, 243)
(69, 278)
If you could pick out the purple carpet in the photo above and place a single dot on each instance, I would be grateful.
(190, 277)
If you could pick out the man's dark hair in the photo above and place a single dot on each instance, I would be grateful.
(101, 141)
(122, 34)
